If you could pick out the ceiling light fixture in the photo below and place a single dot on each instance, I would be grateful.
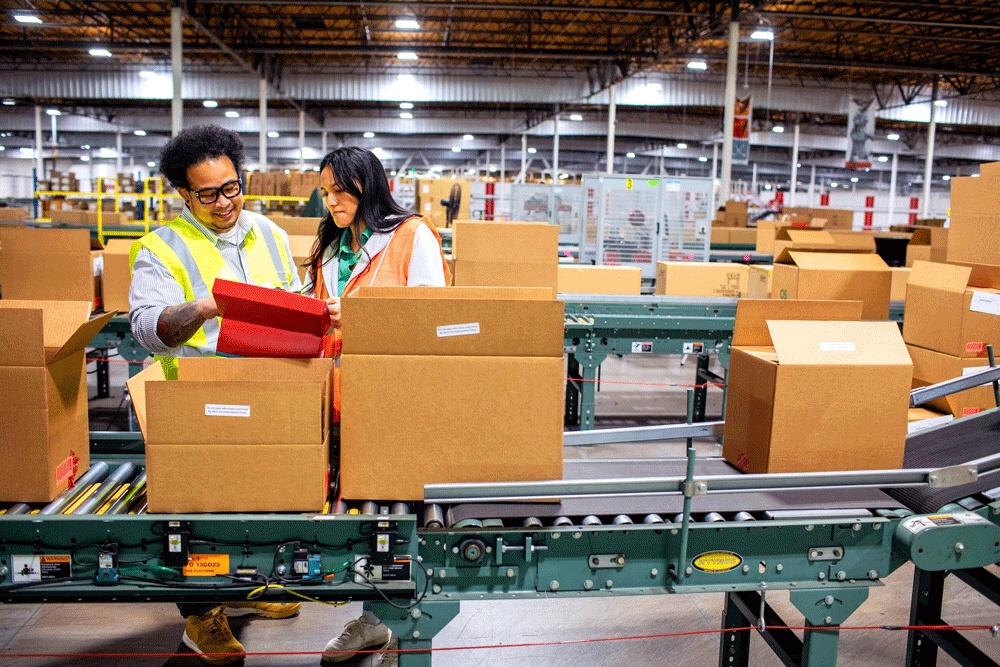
(762, 34)
(406, 115)
(85, 158)
(941, 103)
(368, 135)
(854, 179)
(210, 104)
(406, 105)
(833, 184)
(702, 159)
(9, 102)
(882, 158)
(630, 155)
(468, 137)
(697, 64)
(406, 55)
(946, 177)
(778, 129)
(273, 134)
(100, 53)
(232, 114)
(683, 146)
(892, 136)
(456, 149)
(532, 150)
(146, 74)
(576, 117)
(150, 164)
(53, 112)
(139, 133)
(27, 18)
(407, 24)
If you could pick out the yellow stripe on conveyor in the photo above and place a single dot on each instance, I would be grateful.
(119, 492)
(79, 501)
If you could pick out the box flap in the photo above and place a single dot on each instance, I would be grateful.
(137, 390)
(838, 343)
(118, 247)
(808, 236)
(750, 328)
(983, 275)
(65, 325)
(850, 261)
(83, 335)
(946, 277)
(502, 293)
(239, 369)
(21, 335)
(785, 257)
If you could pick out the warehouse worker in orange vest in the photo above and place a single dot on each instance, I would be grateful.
(366, 238)
(172, 312)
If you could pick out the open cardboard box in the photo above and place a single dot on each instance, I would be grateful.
(930, 367)
(44, 432)
(812, 389)
(449, 384)
(235, 435)
(834, 274)
(953, 308)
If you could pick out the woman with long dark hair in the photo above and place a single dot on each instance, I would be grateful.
(366, 238)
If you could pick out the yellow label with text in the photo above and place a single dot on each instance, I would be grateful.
(206, 565)
(717, 561)
(628, 183)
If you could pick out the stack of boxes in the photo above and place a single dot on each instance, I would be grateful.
(277, 183)
(730, 226)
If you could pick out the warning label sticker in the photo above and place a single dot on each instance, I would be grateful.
(206, 565)
(917, 524)
(470, 329)
(223, 410)
(25, 569)
(640, 347)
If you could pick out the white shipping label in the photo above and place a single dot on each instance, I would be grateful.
(837, 346)
(222, 410)
(470, 329)
(984, 302)
(427, 206)
(99, 266)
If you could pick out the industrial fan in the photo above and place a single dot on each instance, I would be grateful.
(451, 204)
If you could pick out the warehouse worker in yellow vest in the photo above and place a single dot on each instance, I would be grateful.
(173, 314)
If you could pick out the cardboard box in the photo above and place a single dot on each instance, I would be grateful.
(927, 243)
(720, 235)
(848, 239)
(302, 247)
(974, 231)
(504, 254)
(807, 395)
(211, 431)
(930, 367)
(50, 264)
(599, 280)
(828, 275)
(768, 230)
(710, 279)
(759, 280)
(437, 346)
(953, 308)
(900, 276)
(430, 193)
(736, 214)
(296, 226)
(117, 277)
(13, 214)
(741, 236)
(919, 419)
(45, 434)
(795, 237)
(834, 218)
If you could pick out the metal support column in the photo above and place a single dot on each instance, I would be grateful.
(39, 165)
(734, 643)
(302, 139)
(729, 112)
(612, 110)
(555, 148)
(794, 185)
(103, 376)
(892, 185)
(812, 187)
(118, 153)
(524, 159)
(416, 628)
(715, 175)
(263, 125)
(176, 60)
(929, 160)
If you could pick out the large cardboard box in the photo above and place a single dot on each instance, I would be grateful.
(13, 214)
(919, 419)
(759, 281)
(828, 275)
(930, 367)
(505, 254)
(795, 237)
(414, 390)
(720, 235)
(236, 435)
(710, 279)
(736, 214)
(741, 236)
(768, 230)
(807, 395)
(600, 280)
(44, 430)
(430, 194)
(50, 264)
(834, 218)
(953, 308)
(849, 239)
(117, 277)
(974, 229)
(296, 226)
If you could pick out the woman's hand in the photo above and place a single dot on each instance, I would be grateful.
(333, 307)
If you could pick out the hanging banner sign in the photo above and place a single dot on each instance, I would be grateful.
(860, 132)
(741, 130)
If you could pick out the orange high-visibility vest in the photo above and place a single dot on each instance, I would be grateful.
(390, 267)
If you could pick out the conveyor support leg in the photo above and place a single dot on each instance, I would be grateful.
(828, 608)
(416, 628)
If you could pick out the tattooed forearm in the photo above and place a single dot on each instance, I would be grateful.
(178, 323)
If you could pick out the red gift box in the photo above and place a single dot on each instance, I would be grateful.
(264, 322)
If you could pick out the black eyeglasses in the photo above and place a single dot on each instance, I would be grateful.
(211, 195)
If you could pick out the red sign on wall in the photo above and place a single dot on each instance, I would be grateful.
(490, 189)
(824, 199)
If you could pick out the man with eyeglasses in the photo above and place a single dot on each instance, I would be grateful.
(172, 312)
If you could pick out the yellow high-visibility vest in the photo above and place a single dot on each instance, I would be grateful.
(195, 263)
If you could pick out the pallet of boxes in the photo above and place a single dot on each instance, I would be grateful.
(953, 308)
(732, 226)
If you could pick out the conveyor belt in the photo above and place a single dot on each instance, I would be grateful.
(954, 443)
(859, 499)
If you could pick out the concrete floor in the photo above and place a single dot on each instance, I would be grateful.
(156, 628)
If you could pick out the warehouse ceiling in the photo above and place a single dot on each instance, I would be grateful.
(890, 50)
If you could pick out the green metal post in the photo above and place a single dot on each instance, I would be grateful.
(416, 628)
(996, 385)
(688, 491)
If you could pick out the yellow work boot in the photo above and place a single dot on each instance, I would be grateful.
(263, 609)
(210, 637)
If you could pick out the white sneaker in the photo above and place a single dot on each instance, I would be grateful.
(357, 636)
(390, 659)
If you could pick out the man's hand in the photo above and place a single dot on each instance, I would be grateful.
(178, 323)
(333, 307)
